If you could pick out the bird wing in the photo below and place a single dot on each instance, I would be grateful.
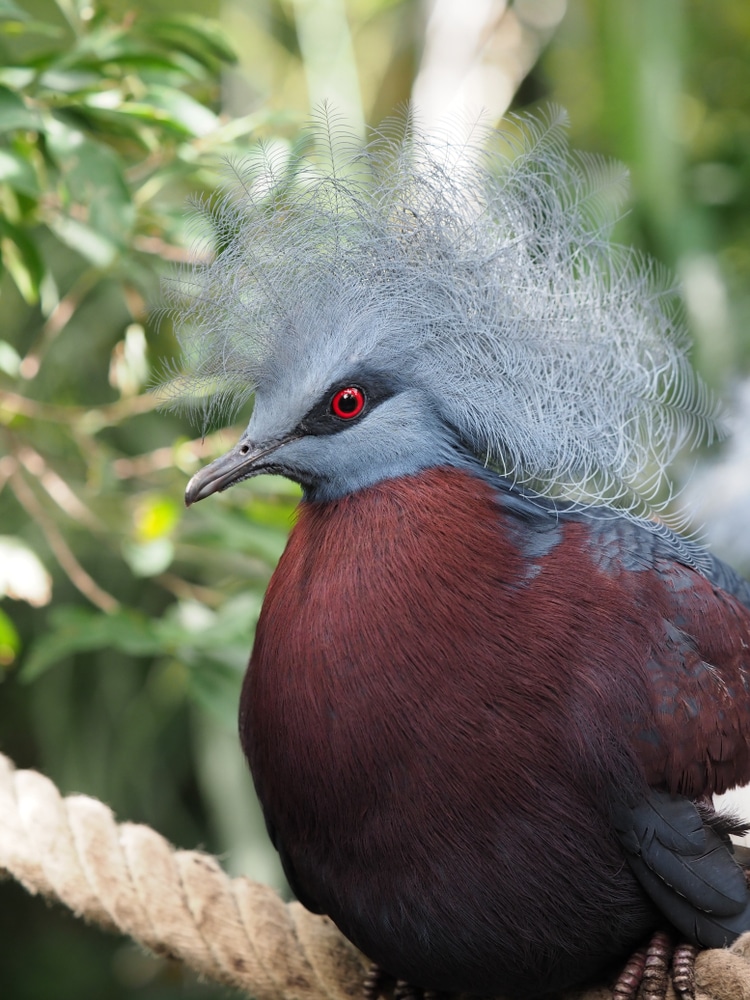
(692, 738)
(695, 740)
(691, 733)
(687, 867)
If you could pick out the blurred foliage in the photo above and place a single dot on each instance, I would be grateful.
(126, 614)
(666, 88)
(126, 621)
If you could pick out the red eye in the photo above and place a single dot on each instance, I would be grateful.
(348, 403)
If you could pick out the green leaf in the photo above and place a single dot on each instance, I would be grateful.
(271, 515)
(69, 81)
(10, 11)
(104, 43)
(13, 26)
(195, 118)
(125, 119)
(198, 631)
(174, 65)
(10, 359)
(16, 77)
(198, 37)
(18, 173)
(109, 52)
(148, 558)
(93, 177)
(187, 630)
(22, 259)
(10, 641)
(84, 240)
(14, 114)
(216, 687)
(234, 531)
(216, 647)
(238, 128)
(76, 629)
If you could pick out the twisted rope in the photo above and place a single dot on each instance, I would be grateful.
(127, 878)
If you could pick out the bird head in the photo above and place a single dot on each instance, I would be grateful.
(364, 425)
(413, 301)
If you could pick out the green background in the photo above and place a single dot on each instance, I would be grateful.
(126, 622)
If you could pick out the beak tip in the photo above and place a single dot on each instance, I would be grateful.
(238, 464)
(193, 491)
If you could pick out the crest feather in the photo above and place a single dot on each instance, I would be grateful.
(483, 269)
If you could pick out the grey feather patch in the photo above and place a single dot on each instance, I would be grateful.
(482, 271)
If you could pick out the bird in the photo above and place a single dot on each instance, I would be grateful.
(494, 683)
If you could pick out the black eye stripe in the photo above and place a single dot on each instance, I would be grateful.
(324, 418)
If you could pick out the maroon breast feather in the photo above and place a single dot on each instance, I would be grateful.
(428, 661)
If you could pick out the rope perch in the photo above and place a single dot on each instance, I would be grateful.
(126, 878)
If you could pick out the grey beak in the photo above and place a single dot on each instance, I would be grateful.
(242, 462)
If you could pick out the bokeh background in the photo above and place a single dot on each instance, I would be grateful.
(125, 621)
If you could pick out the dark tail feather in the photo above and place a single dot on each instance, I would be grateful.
(681, 854)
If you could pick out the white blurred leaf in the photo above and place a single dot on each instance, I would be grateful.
(22, 575)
